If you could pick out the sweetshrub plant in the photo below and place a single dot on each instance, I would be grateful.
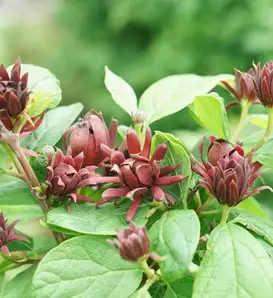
(113, 211)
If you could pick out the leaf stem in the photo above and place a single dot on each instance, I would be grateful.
(268, 130)
(245, 105)
(152, 277)
(225, 214)
(209, 212)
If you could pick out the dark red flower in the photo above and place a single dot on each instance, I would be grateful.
(217, 149)
(244, 88)
(87, 137)
(228, 175)
(137, 173)
(263, 82)
(133, 243)
(64, 174)
(14, 96)
(8, 234)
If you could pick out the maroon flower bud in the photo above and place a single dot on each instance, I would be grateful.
(244, 88)
(14, 96)
(87, 137)
(64, 174)
(230, 179)
(133, 243)
(8, 234)
(137, 173)
(263, 82)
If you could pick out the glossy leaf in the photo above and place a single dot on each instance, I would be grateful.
(172, 94)
(85, 266)
(259, 120)
(86, 219)
(141, 293)
(260, 226)
(45, 89)
(235, 265)
(265, 154)
(175, 235)
(176, 154)
(181, 288)
(253, 206)
(15, 192)
(210, 111)
(53, 127)
(20, 285)
(122, 93)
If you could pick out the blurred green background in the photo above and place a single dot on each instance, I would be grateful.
(140, 40)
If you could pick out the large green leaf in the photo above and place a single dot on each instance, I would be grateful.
(122, 93)
(45, 89)
(235, 266)
(253, 206)
(260, 226)
(172, 94)
(176, 154)
(265, 154)
(53, 126)
(15, 192)
(157, 290)
(141, 293)
(87, 219)
(85, 266)
(259, 120)
(175, 235)
(21, 285)
(210, 111)
(181, 288)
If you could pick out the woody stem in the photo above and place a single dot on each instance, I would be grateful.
(245, 105)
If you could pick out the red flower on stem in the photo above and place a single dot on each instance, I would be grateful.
(137, 173)
(64, 174)
(87, 137)
(8, 234)
(228, 175)
(14, 96)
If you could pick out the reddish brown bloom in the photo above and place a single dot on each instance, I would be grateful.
(263, 82)
(7, 234)
(217, 149)
(244, 88)
(228, 175)
(14, 95)
(87, 137)
(133, 243)
(64, 174)
(137, 173)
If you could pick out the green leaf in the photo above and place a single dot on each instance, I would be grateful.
(157, 290)
(6, 265)
(29, 216)
(253, 206)
(210, 111)
(141, 293)
(181, 288)
(122, 130)
(175, 235)
(53, 127)
(45, 89)
(87, 219)
(264, 155)
(176, 154)
(259, 120)
(260, 226)
(15, 192)
(122, 93)
(235, 265)
(85, 266)
(21, 285)
(172, 94)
